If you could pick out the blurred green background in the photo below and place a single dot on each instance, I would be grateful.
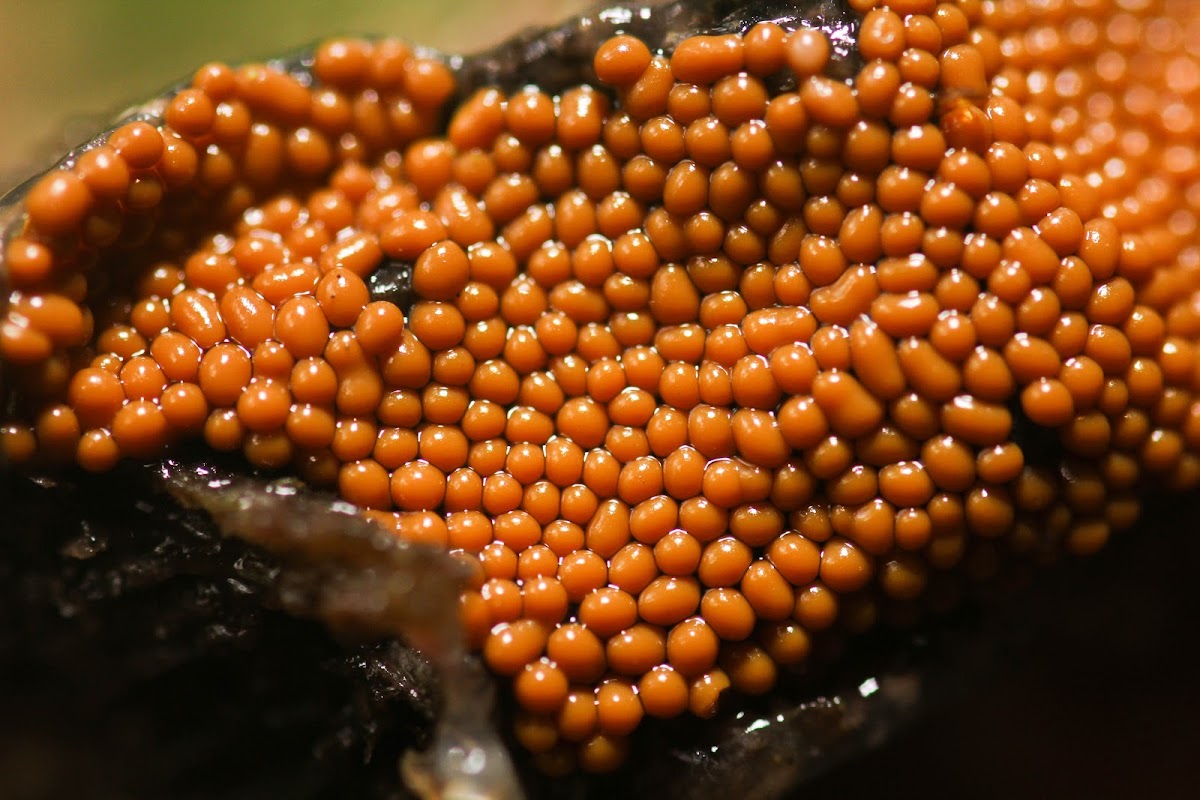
(67, 65)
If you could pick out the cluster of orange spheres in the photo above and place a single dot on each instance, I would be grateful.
(695, 367)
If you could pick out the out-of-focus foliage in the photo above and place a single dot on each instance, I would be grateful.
(66, 65)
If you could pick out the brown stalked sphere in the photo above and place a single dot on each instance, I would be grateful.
(694, 369)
